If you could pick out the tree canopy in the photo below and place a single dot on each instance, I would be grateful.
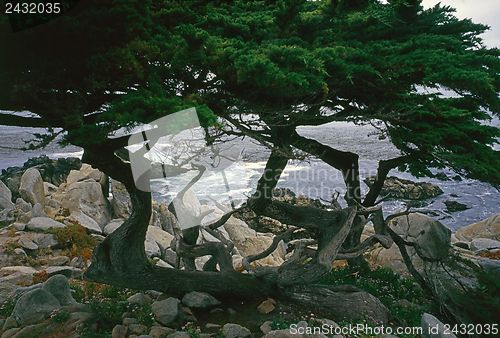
(106, 64)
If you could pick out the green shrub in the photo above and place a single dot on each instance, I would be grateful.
(143, 313)
(388, 286)
(60, 316)
(75, 239)
(7, 306)
(482, 305)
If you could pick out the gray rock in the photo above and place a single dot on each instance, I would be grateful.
(200, 300)
(487, 228)
(120, 203)
(7, 217)
(161, 263)
(113, 225)
(167, 311)
(68, 271)
(34, 306)
(151, 247)
(480, 244)
(170, 256)
(453, 206)
(433, 327)
(266, 327)
(179, 334)
(160, 331)
(19, 226)
(139, 299)
(129, 320)
(20, 252)
(27, 244)
(400, 188)
(432, 241)
(16, 274)
(23, 289)
(84, 197)
(85, 173)
(31, 188)
(58, 286)
(5, 197)
(138, 329)
(22, 205)
(10, 327)
(43, 224)
(57, 260)
(231, 330)
(44, 240)
(144, 336)
(161, 237)
(85, 221)
(119, 331)
(37, 211)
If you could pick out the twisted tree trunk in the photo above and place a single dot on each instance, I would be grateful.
(121, 260)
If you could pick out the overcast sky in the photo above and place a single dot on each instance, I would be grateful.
(481, 11)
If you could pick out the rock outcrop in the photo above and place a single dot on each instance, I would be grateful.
(395, 187)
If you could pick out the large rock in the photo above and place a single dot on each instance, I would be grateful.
(199, 300)
(58, 286)
(34, 306)
(5, 197)
(167, 312)
(480, 244)
(16, 274)
(433, 327)
(162, 238)
(151, 247)
(86, 172)
(405, 189)
(31, 188)
(86, 197)
(43, 224)
(231, 330)
(52, 171)
(488, 228)
(249, 242)
(122, 207)
(85, 221)
(432, 241)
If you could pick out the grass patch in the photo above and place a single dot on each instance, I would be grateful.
(108, 303)
(403, 297)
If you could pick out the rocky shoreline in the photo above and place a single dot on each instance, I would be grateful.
(52, 213)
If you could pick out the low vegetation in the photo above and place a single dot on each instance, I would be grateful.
(75, 240)
(403, 297)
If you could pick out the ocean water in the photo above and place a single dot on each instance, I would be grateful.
(310, 177)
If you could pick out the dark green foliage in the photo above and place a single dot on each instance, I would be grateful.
(143, 313)
(482, 305)
(364, 60)
(61, 316)
(402, 295)
(7, 306)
